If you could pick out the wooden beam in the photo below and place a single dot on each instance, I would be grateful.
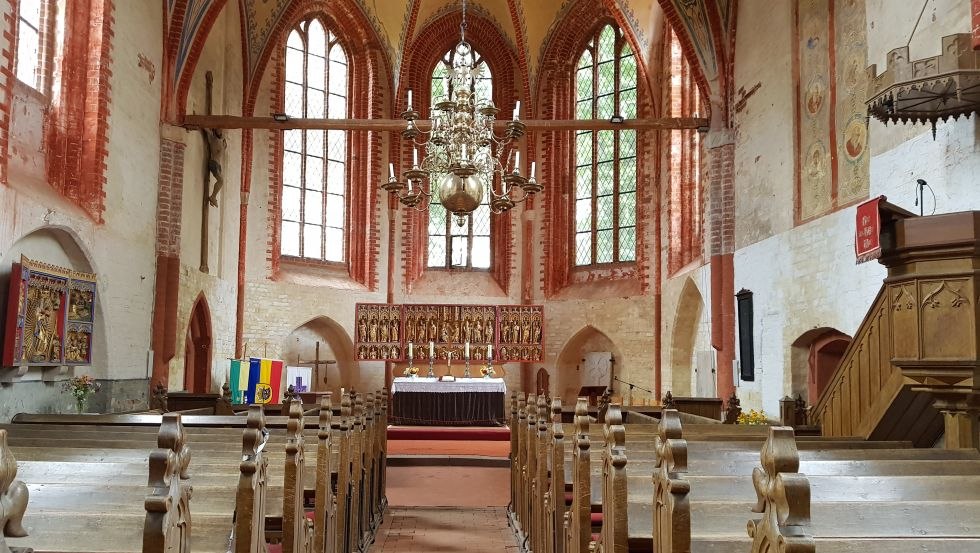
(397, 125)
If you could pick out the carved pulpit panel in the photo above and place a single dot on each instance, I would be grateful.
(903, 304)
(948, 319)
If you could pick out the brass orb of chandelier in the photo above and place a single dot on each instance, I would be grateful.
(464, 159)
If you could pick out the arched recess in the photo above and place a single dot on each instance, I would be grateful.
(198, 348)
(300, 349)
(568, 367)
(683, 338)
(60, 246)
(814, 357)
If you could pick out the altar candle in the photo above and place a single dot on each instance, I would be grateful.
(489, 351)
(467, 350)
(410, 99)
(432, 350)
(517, 109)
(410, 349)
(415, 157)
(445, 85)
(391, 171)
(517, 161)
(533, 163)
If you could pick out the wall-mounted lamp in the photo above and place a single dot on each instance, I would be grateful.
(617, 119)
(280, 117)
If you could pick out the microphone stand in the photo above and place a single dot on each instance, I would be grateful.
(631, 385)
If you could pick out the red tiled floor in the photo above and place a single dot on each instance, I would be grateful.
(433, 530)
(448, 447)
(448, 486)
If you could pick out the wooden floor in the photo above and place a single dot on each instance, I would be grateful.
(434, 529)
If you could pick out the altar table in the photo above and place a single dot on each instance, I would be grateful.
(424, 401)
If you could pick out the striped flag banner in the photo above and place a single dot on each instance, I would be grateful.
(238, 380)
(264, 384)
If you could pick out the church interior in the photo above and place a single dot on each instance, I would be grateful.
(541, 276)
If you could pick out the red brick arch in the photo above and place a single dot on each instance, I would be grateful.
(421, 56)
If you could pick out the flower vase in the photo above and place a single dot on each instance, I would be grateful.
(80, 404)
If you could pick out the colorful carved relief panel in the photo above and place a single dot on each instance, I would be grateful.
(832, 134)
(521, 330)
(50, 316)
(379, 332)
(511, 333)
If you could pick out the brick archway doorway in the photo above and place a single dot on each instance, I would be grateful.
(197, 349)
(825, 354)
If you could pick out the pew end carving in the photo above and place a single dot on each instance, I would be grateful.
(672, 511)
(615, 524)
(13, 499)
(783, 498)
(297, 530)
(250, 498)
(167, 528)
(325, 502)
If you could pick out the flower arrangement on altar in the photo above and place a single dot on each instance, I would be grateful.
(81, 387)
(752, 417)
(411, 371)
(488, 371)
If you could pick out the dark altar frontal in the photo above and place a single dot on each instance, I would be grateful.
(420, 401)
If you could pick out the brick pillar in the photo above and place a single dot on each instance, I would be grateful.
(721, 246)
(169, 197)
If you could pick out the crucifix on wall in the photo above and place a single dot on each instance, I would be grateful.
(215, 144)
(316, 365)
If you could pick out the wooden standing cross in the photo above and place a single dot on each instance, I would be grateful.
(316, 364)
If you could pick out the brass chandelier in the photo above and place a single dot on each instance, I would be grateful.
(464, 159)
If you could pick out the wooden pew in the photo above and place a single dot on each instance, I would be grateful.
(13, 498)
(250, 500)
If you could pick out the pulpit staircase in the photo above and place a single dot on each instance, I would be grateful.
(909, 372)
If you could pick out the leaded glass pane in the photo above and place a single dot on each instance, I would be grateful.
(583, 90)
(607, 43)
(627, 104)
(583, 248)
(585, 60)
(606, 149)
(314, 142)
(313, 207)
(627, 244)
(335, 210)
(335, 177)
(317, 39)
(627, 175)
(627, 209)
(292, 140)
(338, 78)
(294, 65)
(314, 173)
(604, 246)
(583, 180)
(337, 145)
(337, 108)
(481, 220)
(293, 102)
(583, 148)
(294, 40)
(627, 71)
(312, 241)
(316, 72)
(437, 219)
(337, 54)
(481, 252)
(334, 239)
(290, 203)
(289, 239)
(627, 143)
(607, 78)
(583, 109)
(437, 250)
(604, 178)
(604, 212)
(605, 106)
(460, 250)
(292, 166)
(583, 215)
(314, 103)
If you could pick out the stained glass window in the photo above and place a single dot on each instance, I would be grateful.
(605, 161)
(452, 245)
(29, 38)
(314, 162)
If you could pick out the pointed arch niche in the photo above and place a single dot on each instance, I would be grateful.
(198, 348)
(814, 358)
(683, 338)
(569, 377)
(335, 344)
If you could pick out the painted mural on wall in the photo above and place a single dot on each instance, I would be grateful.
(510, 333)
(50, 316)
(832, 136)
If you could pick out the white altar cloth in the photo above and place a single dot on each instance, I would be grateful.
(427, 384)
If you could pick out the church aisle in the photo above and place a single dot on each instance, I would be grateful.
(434, 529)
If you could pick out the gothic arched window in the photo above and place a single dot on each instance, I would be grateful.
(605, 161)
(452, 245)
(314, 162)
(33, 41)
